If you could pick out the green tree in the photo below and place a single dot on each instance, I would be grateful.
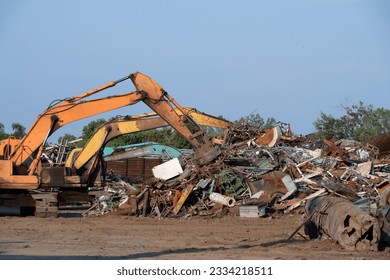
(213, 131)
(18, 130)
(134, 138)
(270, 122)
(360, 122)
(3, 135)
(173, 139)
(257, 121)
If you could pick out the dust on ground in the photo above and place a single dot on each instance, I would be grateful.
(127, 237)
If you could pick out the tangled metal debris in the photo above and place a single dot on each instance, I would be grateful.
(347, 183)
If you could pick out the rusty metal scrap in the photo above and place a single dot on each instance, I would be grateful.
(275, 185)
(382, 142)
(384, 213)
(344, 222)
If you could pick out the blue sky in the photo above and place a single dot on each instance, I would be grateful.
(284, 59)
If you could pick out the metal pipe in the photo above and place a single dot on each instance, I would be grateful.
(222, 199)
(344, 222)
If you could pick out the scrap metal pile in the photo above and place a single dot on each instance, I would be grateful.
(342, 186)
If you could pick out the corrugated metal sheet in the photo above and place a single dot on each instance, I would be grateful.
(135, 168)
(149, 164)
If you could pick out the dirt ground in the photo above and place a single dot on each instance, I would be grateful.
(71, 236)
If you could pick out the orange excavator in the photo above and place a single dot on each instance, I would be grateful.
(21, 168)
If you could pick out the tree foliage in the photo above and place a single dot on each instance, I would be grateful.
(18, 130)
(3, 134)
(258, 121)
(360, 122)
(164, 135)
(89, 130)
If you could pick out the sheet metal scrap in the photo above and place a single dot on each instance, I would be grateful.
(382, 142)
(274, 186)
(344, 222)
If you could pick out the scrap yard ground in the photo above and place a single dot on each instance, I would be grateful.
(114, 236)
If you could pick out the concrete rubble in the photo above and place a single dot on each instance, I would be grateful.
(343, 187)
